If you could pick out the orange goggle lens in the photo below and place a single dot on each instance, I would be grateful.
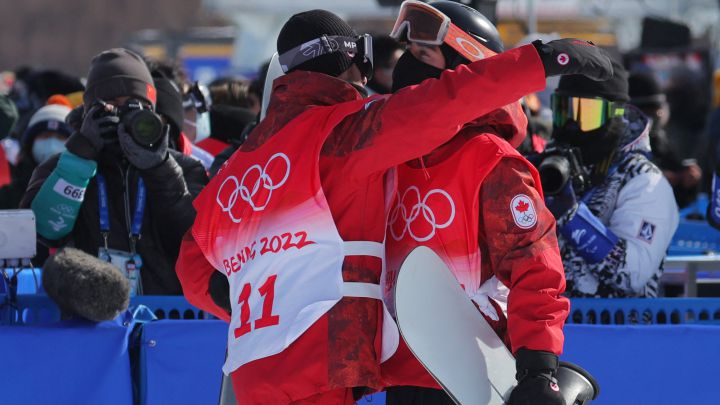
(588, 113)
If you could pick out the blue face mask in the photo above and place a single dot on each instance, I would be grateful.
(43, 149)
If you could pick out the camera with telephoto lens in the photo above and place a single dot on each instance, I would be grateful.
(139, 121)
(559, 165)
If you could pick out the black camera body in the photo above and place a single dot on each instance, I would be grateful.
(560, 164)
(139, 121)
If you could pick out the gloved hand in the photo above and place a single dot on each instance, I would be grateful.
(140, 156)
(537, 385)
(219, 290)
(561, 203)
(570, 56)
(75, 117)
(95, 126)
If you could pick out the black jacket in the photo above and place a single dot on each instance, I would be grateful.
(169, 213)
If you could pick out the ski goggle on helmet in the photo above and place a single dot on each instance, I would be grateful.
(358, 49)
(422, 23)
(589, 113)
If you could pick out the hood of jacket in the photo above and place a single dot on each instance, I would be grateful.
(508, 122)
(636, 137)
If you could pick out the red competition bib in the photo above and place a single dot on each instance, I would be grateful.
(439, 207)
(264, 222)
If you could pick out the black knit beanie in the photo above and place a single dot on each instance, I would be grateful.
(169, 104)
(118, 72)
(309, 25)
(645, 90)
(613, 89)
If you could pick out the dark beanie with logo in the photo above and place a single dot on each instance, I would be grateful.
(614, 89)
(309, 25)
(119, 72)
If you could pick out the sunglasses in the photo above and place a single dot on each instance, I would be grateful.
(588, 113)
(420, 22)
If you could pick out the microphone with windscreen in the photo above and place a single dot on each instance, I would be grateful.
(85, 286)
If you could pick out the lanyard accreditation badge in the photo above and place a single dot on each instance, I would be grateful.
(128, 262)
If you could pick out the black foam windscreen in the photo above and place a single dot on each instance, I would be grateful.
(85, 286)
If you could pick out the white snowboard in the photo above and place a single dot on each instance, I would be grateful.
(448, 334)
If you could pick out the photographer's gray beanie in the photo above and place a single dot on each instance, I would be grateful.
(119, 72)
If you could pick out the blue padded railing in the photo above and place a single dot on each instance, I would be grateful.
(169, 307)
(694, 236)
(33, 309)
(39, 309)
(646, 311)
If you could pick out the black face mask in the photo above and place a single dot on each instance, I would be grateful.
(362, 90)
(410, 71)
(597, 145)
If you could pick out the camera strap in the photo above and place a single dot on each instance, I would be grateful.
(138, 214)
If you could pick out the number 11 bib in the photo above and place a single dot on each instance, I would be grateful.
(264, 222)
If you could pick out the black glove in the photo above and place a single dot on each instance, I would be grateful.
(537, 385)
(219, 289)
(95, 128)
(75, 117)
(572, 56)
(144, 158)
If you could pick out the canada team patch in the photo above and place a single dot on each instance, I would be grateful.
(646, 232)
(523, 211)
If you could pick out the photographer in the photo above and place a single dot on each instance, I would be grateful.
(118, 191)
(615, 210)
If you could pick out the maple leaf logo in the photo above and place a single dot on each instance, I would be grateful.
(522, 206)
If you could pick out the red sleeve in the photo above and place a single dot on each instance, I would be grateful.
(194, 273)
(526, 260)
(412, 122)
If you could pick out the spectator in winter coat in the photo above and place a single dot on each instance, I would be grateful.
(44, 138)
(614, 228)
(683, 175)
(118, 191)
(9, 147)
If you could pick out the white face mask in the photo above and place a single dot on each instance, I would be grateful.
(202, 126)
(43, 149)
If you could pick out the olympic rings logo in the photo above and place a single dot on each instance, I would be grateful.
(248, 194)
(401, 212)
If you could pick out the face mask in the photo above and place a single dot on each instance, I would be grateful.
(410, 71)
(43, 149)
(597, 147)
(202, 126)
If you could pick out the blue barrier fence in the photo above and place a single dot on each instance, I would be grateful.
(654, 351)
(82, 363)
